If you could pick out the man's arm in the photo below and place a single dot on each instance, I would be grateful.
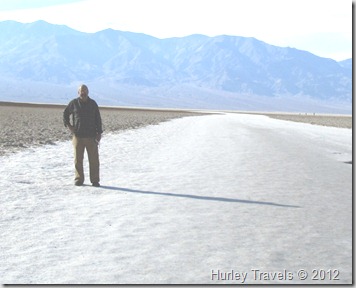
(98, 124)
(67, 112)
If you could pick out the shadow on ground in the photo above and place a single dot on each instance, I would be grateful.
(207, 198)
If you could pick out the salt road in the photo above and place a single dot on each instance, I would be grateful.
(227, 198)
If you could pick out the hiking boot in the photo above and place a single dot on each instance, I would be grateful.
(96, 184)
(78, 183)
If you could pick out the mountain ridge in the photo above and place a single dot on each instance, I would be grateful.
(121, 63)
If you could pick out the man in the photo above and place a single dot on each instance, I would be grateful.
(86, 130)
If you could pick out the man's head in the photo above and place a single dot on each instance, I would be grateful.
(83, 92)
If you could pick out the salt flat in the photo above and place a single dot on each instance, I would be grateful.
(190, 201)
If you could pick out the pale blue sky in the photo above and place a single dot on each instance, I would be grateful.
(322, 27)
(28, 4)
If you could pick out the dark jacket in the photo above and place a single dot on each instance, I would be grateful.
(85, 117)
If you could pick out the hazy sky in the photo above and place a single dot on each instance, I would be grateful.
(323, 27)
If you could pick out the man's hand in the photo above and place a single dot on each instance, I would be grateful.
(98, 137)
(71, 128)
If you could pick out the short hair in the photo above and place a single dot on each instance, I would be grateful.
(83, 87)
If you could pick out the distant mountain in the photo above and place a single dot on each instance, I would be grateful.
(124, 68)
(346, 63)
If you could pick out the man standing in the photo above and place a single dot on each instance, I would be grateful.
(87, 130)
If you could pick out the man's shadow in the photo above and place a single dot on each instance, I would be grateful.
(206, 198)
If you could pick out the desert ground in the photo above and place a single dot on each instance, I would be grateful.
(183, 202)
(340, 121)
(26, 125)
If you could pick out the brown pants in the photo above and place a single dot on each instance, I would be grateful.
(80, 144)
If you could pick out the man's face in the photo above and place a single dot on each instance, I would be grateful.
(83, 93)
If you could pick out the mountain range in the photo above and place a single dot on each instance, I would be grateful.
(42, 62)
